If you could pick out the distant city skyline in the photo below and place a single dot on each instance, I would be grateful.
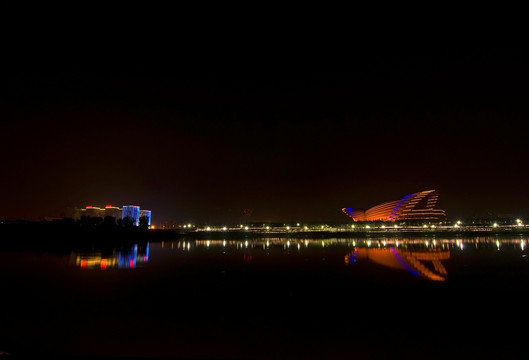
(133, 212)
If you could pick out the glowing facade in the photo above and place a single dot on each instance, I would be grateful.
(417, 206)
(94, 211)
(132, 212)
(146, 214)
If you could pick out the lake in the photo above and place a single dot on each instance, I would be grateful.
(374, 297)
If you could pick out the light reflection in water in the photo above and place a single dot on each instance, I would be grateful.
(126, 257)
(420, 257)
(286, 243)
(425, 263)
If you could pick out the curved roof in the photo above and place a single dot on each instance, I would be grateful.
(416, 206)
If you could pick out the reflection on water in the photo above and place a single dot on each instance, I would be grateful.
(378, 242)
(126, 257)
(424, 263)
(420, 257)
(316, 298)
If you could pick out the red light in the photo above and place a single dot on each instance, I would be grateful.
(135, 207)
(83, 264)
(103, 264)
(131, 263)
(107, 206)
(89, 207)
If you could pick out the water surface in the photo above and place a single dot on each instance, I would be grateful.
(377, 297)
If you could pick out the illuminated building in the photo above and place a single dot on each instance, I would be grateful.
(113, 211)
(94, 211)
(146, 214)
(132, 212)
(417, 206)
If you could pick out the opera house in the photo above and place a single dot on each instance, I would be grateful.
(417, 206)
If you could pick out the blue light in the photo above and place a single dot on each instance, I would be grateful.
(397, 207)
(132, 212)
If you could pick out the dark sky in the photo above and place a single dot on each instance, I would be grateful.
(290, 144)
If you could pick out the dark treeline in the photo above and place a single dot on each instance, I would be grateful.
(68, 234)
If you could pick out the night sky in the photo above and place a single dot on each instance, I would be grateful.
(290, 144)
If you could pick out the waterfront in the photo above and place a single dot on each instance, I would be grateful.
(280, 297)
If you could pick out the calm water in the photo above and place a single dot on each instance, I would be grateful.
(271, 298)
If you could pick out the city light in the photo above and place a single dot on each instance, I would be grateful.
(400, 209)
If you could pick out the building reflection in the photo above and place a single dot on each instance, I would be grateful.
(425, 263)
(125, 257)
(420, 256)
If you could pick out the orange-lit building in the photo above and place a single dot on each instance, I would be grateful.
(417, 206)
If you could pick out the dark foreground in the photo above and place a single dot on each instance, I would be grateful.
(268, 298)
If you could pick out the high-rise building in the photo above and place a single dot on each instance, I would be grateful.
(147, 214)
(132, 212)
